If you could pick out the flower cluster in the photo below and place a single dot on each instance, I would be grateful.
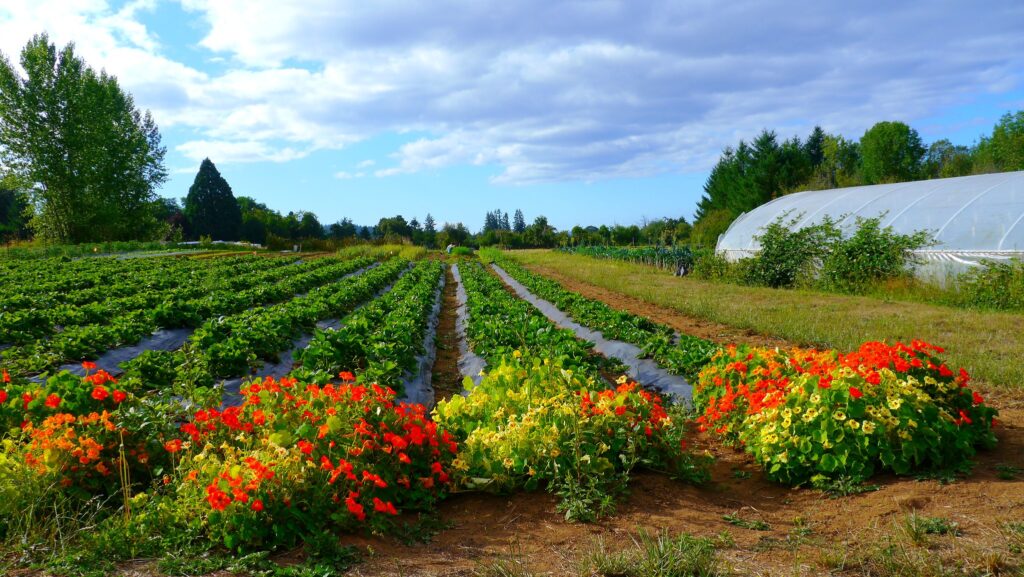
(343, 455)
(71, 429)
(531, 423)
(810, 415)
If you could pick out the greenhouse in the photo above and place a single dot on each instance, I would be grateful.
(972, 218)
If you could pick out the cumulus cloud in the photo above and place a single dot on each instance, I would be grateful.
(543, 90)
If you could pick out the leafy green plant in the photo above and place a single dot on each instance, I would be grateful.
(870, 255)
(812, 416)
(533, 424)
(657, 555)
(756, 524)
(994, 285)
(790, 253)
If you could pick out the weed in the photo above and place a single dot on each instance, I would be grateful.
(1008, 472)
(756, 525)
(918, 527)
(660, 555)
(844, 487)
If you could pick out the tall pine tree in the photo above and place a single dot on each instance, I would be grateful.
(210, 207)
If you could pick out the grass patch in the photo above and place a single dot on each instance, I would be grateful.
(755, 525)
(987, 344)
(660, 555)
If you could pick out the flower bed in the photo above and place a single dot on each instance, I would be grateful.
(533, 424)
(296, 459)
(809, 415)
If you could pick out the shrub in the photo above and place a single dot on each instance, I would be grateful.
(871, 255)
(709, 265)
(809, 415)
(997, 285)
(295, 460)
(789, 254)
(532, 424)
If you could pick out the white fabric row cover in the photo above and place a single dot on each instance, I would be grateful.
(971, 217)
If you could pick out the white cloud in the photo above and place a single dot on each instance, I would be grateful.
(225, 152)
(543, 90)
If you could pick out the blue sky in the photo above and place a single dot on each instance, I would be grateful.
(605, 111)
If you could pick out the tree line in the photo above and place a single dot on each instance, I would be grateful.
(751, 174)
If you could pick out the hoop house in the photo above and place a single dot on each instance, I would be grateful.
(971, 217)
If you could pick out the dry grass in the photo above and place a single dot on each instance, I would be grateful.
(989, 345)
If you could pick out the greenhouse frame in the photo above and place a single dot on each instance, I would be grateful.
(972, 218)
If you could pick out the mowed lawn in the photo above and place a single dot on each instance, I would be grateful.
(989, 345)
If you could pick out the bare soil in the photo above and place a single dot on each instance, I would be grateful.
(446, 377)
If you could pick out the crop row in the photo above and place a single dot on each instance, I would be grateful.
(683, 355)
(88, 340)
(229, 346)
(47, 287)
(501, 323)
(383, 339)
(666, 257)
(29, 316)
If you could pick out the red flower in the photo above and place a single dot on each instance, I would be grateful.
(26, 398)
(88, 365)
(620, 410)
(978, 399)
(354, 507)
(305, 446)
(173, 446)
(53, 401)
(3, 396)
(120, 396)
(855, 393)
(257, 505)
(7, 377)
(384, 507)
(347, 376)
(402, 457)
(100, 393)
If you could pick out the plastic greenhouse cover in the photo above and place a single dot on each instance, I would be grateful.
(971, 217)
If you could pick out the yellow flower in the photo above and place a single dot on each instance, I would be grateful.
(839, 416)
(517, 354)
(787, 423)
(894, 404)
(621, 380)
(815, 398)
(853, 424)
(868, 427)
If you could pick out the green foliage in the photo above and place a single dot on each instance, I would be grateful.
(97, 159)
(891, 152)
(994, 285)
(812, 416)
(210, 207)
(531, 423)
(870, 255)
(660, 555)
(1004, 149)
(789, 253)
(680, 354)
(755, 525)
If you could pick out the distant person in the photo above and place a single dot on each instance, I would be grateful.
(450, 248)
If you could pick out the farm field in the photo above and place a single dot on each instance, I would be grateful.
(426, 416)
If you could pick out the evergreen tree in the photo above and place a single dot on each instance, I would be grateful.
(429, 226)
(211, 208)
(518, 222)
(504, 222)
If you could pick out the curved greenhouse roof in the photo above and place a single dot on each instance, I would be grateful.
(971, 217)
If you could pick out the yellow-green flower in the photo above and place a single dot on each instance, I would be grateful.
(839, 416)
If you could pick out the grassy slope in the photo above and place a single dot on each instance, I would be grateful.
(990, 345)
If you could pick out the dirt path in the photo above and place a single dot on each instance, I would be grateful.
(447, 379)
